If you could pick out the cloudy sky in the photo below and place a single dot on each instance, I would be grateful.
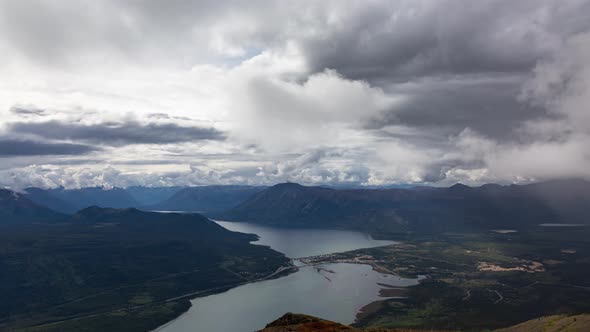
(131, 92)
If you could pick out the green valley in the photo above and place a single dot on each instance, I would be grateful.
(476, 281)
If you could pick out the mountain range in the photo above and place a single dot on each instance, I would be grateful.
(205, 199)
(72, 200)
(424, 209)
(16, 207)
(418, 209)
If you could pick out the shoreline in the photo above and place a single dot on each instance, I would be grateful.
(282, 271)
(386, 292)
(368, 310)
(295, 265)
(184, 300)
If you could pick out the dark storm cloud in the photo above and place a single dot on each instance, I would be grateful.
(387, 41)
(116, 134)
(376, 40)
(457, 64)
(14, 148)
(27, 111)
(446, 106)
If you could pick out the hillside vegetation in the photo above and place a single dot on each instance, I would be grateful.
(303, 323)
(119, 269)
(17, 208)
(478, 281)
(423, 209)
(206, 199)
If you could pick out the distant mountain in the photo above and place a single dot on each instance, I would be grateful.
(180, 224)
(291, 204)
(15, 207)
(207, 199)
(151, 195)
(420, 209)
(48, 199)
(72, 200)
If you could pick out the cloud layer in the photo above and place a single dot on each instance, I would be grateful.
(332, 92)
(114, 133)
(9, 147)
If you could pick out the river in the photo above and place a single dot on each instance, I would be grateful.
(335, 292)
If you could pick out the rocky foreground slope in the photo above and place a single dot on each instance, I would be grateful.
(302, 323)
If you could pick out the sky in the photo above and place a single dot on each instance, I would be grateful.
(348, 93)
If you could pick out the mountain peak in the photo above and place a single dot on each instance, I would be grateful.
(95, 212)
(92, 210)
(17, 207)
(459, 186)
(288, 185)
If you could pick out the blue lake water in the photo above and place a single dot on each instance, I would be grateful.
(336, 292)
(301, 242)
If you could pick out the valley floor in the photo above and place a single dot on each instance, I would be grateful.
(477, 281)
(471, 281)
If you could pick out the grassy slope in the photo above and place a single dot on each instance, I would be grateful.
(304, 323)
(577, 323)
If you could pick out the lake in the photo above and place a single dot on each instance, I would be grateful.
(301, 242)
(335, 292)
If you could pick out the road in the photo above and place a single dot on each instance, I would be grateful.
(183, 296)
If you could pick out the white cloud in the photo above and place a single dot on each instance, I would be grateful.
(325, 110)
(314, 92)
